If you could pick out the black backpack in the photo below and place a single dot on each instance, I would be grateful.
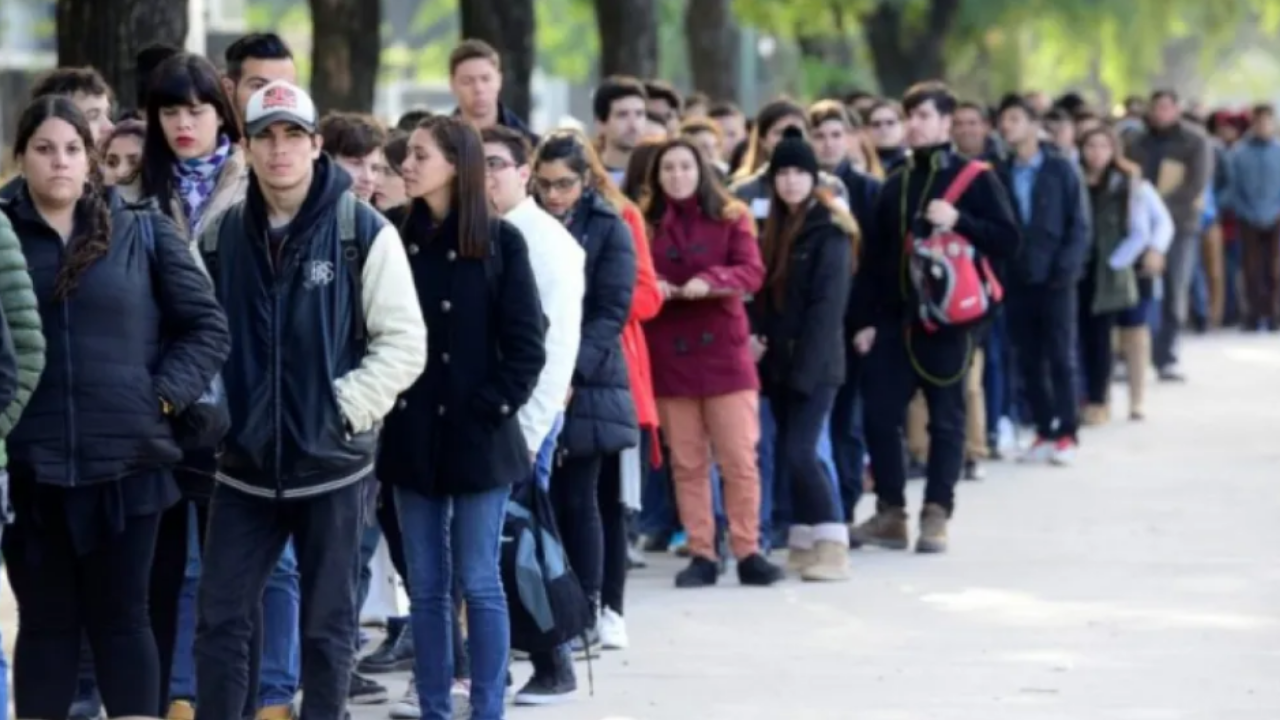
(544, 598)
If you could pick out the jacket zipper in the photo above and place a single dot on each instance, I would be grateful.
(73, 468)
(277, 412)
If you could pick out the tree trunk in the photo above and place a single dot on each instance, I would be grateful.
(629, 38)
(508, 26)
(713, 39)
(902, 56)
(107, 34)
(346, 48)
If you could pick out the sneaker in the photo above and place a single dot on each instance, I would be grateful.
(408, 707)
(1170, 374)
(613, 630)
(395, 654)
(1040, 451)
(591, 648)
(636, 559)
(655, 543)
(886, 529)
(1064, 452)
(460, 693)
(364, 691)
(679, 545)
(549, 688)
(755, 571)
(973, 470)
(700, 573)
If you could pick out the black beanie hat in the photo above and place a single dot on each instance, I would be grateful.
(793, 151)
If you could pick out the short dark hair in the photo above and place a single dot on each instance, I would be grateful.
(1263, 109)
(411, 119)
(665, 91)
(352, 135)
(613, 89)
(69, 81)
(147, 60)
(827, 110)
(473, 49)
(935, 91)
(1058, 115)
(1165, 93)
(1018, 101)
(655, 118)
(697, 98)
(513, 140)
(396, 149)
(724, 110)
(254, 46)
(975, 106)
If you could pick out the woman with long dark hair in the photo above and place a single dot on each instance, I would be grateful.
(134, 337)
(707, 261)
(571, 184)
(809, 245)
(452, 447)
(192, 163)
(122, 159)
(1131, 231)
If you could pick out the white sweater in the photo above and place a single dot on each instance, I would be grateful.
(559, 268)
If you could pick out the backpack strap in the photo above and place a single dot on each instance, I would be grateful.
(963, 180)
(353, 256)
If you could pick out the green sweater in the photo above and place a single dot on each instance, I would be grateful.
(23, 312)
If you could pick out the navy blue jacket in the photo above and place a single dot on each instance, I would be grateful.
(601, 417)
(142, 325)
(292, 338)
(455, 431)
(1055, 239)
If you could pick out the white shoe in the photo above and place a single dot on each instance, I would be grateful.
(1064, 452)
(408, 708)
(613, 631)
(1041, 451)
(1006, 437)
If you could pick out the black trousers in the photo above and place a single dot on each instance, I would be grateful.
(890, 377)
(61, 594)
(799, 420)
(613, 527)
(846, 435)
(245, 538)
(1042, 321)
(575, 498)
(1095, 348)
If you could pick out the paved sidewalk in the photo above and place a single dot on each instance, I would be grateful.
(1141, 584)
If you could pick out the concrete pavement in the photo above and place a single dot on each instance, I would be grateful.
(1143, 583)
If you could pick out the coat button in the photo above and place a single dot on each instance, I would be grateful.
(505, 409)
(440, 410)
(413, 248)
(402, 404)
(445, 305)
(444, 358)
(452, 255)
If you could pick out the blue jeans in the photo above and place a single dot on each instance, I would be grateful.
(281, 651)
(462, 535)
(1233, 260)
(995, 379)
(182, 679)
(657, 501)
(775, 501)
(547, 454)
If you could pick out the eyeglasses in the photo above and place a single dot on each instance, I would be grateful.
(494, 163)
(559, 185)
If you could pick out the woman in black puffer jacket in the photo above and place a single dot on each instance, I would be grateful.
(134, 337)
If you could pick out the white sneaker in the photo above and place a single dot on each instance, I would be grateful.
(1006, 437)
(408, 708)
(613, 631)
(1064, 452)
(1041, 451)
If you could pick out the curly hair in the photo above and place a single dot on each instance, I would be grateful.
(95, 240)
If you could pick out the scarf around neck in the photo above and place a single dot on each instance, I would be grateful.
(197, 178)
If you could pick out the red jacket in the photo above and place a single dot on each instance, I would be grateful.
(700, 347)
(646, 301)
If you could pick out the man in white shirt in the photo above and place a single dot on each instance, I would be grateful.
(559, 269)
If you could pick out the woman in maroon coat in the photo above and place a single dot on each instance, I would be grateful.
(704, 375)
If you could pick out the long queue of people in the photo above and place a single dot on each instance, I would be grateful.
(698, 333)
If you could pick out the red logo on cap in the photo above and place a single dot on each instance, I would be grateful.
(279, 97)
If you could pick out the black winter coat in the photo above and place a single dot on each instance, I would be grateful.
(455, 432)
(601, 417)
(805, 331)
(142, 325)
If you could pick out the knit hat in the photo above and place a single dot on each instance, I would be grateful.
(793, 151)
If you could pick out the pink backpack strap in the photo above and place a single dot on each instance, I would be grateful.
(963, 180)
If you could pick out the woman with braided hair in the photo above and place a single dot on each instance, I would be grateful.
(134, 335)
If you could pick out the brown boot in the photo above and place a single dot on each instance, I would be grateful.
(1135, 343)
(831, 563)
(933, 530)
(886, 529)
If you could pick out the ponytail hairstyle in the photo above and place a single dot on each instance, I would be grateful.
(578, 154)
(96, 240)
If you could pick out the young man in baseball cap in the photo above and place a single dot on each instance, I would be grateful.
(327, 332)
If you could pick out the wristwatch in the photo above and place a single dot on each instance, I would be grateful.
(166, 407)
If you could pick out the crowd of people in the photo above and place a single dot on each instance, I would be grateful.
(702, 333)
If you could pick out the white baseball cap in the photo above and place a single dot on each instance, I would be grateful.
(279, 101)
